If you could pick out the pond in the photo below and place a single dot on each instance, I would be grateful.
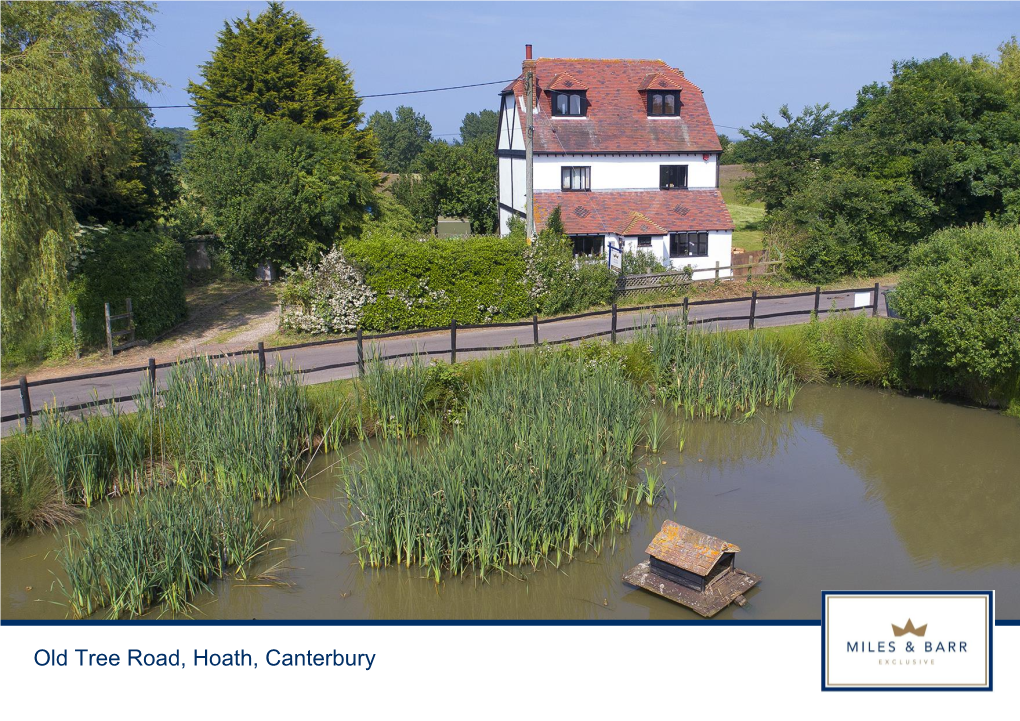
(853, 489)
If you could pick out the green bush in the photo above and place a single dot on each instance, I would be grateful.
(960, 304)
(116, 263)
(430, 282)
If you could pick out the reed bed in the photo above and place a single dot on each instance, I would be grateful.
(232, 426)
(161, 548)
(537, 469)
(717, 375)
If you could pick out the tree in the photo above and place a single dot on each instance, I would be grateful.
(401, 139)
(67, 55)
(784, 155)
(960, 303)
(454, 180)
(275, 66)
(277, 191)
(483, 124)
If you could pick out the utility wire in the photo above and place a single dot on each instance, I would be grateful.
(195, 105)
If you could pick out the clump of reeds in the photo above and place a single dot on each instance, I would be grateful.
(233, 426)
(29, 497)
(161, 548)
(537, 469)
(717, 375)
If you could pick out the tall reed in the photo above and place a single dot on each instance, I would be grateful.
(161, 548)
(537, 470)
(717, 375)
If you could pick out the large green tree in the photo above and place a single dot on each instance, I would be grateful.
(452, 180)
(277, 67)
(402, 136)
(482, 124)
(937, 146)
(277, 191)
(72, 56)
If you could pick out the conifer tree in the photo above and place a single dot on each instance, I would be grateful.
(276, 66)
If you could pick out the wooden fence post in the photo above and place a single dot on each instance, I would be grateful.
(686, 310)
(453, 340)
(130, 319)
(74, 334)
(534, 328)
(874, 308)
(109, 330)
(26, 401)
(361, 354)
(262, 358)
(613, 332)
(717, 271)
(754, 303)
(818, 297)
(152, 373)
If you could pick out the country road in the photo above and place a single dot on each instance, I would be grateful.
(437, 345)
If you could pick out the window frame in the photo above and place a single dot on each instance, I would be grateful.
(598, 244)
(699, 237)
(662, 94)
(585, 173)
(582, 98)
(673, 168)
(644, 244)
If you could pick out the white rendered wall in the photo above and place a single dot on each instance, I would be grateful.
(720, 244)
(625, 172)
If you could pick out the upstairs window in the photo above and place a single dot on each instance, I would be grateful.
(672, 177)
(663, 104)
(575, 177)
(569, 104)
(688, 245)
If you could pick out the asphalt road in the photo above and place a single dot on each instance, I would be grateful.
(437, 345)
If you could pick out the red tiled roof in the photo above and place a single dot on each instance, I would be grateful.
(661, 81)
(566, 81)
(616, 211)
(617, 117)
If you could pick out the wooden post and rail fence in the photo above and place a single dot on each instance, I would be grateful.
(752, 316)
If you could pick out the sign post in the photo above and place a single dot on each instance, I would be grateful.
(615, 257)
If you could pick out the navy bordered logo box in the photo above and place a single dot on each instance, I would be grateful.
(907, 640)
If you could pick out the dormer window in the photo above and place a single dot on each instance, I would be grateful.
(569, 104)
(663, 104)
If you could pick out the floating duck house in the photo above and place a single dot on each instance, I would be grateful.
(693, 569)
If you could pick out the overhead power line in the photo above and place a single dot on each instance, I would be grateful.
(227, 104)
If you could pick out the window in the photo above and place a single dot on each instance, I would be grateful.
(672, 177)
(576, 177)
(569, 104)
(644, 241)
(588, 244)
(664, 103)
(684, 245)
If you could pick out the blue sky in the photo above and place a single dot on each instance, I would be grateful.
(749, 58)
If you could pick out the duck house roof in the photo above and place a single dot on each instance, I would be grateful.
(688, 549)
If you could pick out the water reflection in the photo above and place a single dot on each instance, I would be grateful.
(853, 489)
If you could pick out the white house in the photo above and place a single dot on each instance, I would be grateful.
(627, 150)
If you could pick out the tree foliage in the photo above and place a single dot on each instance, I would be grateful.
(960, 303)
(938, 146)
(275, 66)
(69, 55)
(401, 137)
(482, 124)
(277, 191)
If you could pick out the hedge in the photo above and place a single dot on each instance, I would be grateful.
(429, 282)
(115, 264)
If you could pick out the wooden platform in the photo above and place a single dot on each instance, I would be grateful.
(721, 593)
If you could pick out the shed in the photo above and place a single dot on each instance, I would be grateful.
(693, 569)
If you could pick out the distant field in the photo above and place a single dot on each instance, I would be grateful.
(746, 215)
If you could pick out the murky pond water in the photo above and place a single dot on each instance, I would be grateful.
(854, 489)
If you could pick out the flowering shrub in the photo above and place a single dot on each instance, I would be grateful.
(326, 298)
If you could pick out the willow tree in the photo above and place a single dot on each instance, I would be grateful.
(57, 62)
(277, 67)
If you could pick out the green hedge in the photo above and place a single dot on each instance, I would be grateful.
(115, 264)
(422, 283)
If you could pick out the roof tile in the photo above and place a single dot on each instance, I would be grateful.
(622, 211)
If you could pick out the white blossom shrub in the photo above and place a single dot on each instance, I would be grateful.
(329, 297)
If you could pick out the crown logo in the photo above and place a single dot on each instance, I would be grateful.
(909, 628)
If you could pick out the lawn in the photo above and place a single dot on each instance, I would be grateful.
(747, 215)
